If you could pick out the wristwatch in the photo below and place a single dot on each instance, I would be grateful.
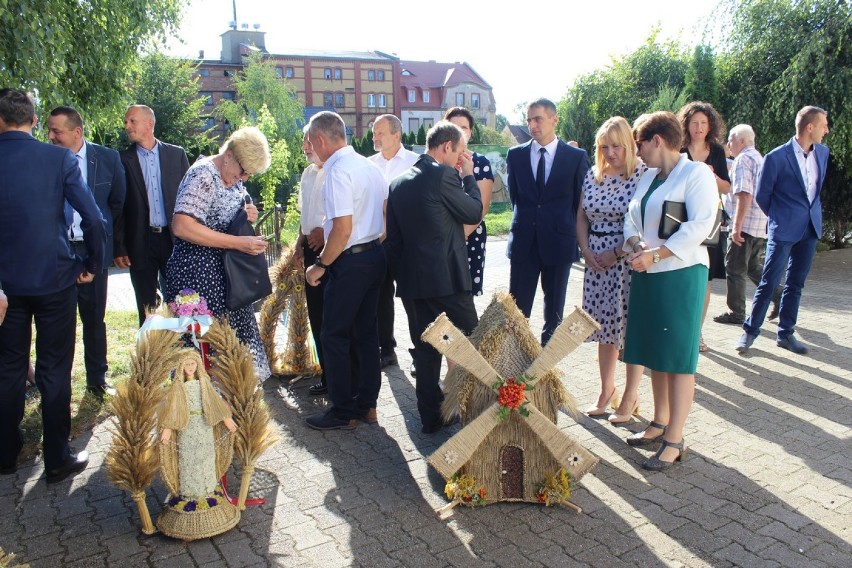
(319, 263)
(655, 254)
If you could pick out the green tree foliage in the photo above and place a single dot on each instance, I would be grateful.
(270, 103)
(501, 122)
(485, 135)
(79, 53)
(701, 83)
(169, 86)
(421, 136)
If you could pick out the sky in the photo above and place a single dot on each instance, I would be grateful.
(523, 53)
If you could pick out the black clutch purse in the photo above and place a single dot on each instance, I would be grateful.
(674, 213)
(246, 275)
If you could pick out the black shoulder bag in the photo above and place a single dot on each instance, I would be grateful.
(674, 213)
(246, 275)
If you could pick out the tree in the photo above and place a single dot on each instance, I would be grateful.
(485, 135)
(169, 86)
(80, 53)
(501, 122)
(421, 136)
(701, 81)
(270, 103)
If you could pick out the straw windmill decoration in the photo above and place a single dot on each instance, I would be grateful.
(508, 394)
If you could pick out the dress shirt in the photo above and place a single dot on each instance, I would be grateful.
(75, 233)
(400, 162)
(808, 167)
(550, 152)
(311, 200)
(354, 186)
(744, 180)
(150, 162)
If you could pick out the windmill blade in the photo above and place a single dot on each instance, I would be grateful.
(568, 336)
(457, 451)
(449, 341)
(568, 452)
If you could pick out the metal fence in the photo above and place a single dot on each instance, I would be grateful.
(269, 225)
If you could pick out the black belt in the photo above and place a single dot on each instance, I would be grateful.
(355, 249)
(603, 234)
(158, 229)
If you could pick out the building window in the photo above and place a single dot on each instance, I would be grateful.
(209, 122)
(327, 100)
(279, 71)
(474, 100)
(207, 96)
(327, 73)
(289, 73)
(338, 73)
(229, 96)
(383, 101)
(371, 75)
(371, 100)
(204, 72)
(412, 95)
(339, 100)
(413, 124)
(483, 122)
(381, 75)
(460, 99)
(426, 96)
(428, 123)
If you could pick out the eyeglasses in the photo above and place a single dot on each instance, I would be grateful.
(243, 172)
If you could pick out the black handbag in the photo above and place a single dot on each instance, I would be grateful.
(246, 275)
(674, 213)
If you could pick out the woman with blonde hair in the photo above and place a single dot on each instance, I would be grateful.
(669, 279)
(209, 197)
(607, 189)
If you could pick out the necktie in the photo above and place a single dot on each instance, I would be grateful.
(539, 174)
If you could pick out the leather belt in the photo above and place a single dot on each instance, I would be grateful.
(355, 249)
(157, 229)
(604, 234)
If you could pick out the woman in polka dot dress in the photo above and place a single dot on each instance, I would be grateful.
(607, 190)
(209, 196)
(476, 234)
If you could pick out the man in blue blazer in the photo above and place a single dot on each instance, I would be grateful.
(104, 175)
(38, 271)
(545, 184)
(788, 192)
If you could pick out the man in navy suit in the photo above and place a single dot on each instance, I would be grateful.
(143, 238)
(102, 171)
(38, 271)
(545, 184)
(788, 192)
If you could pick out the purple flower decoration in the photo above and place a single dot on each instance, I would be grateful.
(190, 506)
(174, 501)
(212, 502)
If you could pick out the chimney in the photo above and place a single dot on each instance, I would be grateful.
(200, 54)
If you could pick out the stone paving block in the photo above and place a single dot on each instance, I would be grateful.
(752, 521)
(830, 555)
(202, 551)
(239, 553)
(43, 546)
(737, 555)
(784, 534)
(88, 562)
(786, 555)
(121, 550)
(508, 556)
(161, 547)
(749, 540)
(326, 555)
(782, 513)
(698, 539)
(180, 561)
(372, 554)
(663, 520)
(463, 556)
(600, 556)
(48, 562)
(83, 546)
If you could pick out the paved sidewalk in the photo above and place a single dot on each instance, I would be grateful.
(767, 481)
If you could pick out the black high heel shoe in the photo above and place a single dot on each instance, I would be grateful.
(656, 464)
(639, 439)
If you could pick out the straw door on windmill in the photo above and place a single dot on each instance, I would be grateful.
(508, 392)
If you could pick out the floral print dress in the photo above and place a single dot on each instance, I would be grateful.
(203, 196)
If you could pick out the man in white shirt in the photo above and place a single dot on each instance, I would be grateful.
(309, 245)
(392, 159)
(353, 261)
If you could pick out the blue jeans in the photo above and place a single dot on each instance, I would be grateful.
(797, 258)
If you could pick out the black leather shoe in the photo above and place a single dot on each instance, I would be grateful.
(774, 312)
(432, 428)
(75, 463)
(318, 389)
(389, 359)
(101, 391)
(729, 317)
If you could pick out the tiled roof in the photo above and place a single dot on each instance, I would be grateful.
(431, 74)
(332, 54)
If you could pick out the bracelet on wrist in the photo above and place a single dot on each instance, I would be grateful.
(319, 263)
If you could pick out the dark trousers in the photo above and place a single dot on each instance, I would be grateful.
(314, 298)
(91, 303)
(349, 319)
(461, 311)
(55, 323)
(387, 342)
(146, 279)
(797, 258)
(744, 262)
(523, 280)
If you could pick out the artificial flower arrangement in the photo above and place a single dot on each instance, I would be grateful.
(189, 303)
(461, 489)
(511, 395)
(556, 489)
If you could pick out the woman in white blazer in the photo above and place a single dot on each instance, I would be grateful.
(669, 280)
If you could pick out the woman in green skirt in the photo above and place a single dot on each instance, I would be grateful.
(669, 280)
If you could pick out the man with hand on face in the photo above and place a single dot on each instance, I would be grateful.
(104, 175)
(428, 207)
(143, 236)
(392, 159)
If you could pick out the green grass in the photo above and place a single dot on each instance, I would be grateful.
(499, 218)
(86, 410)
